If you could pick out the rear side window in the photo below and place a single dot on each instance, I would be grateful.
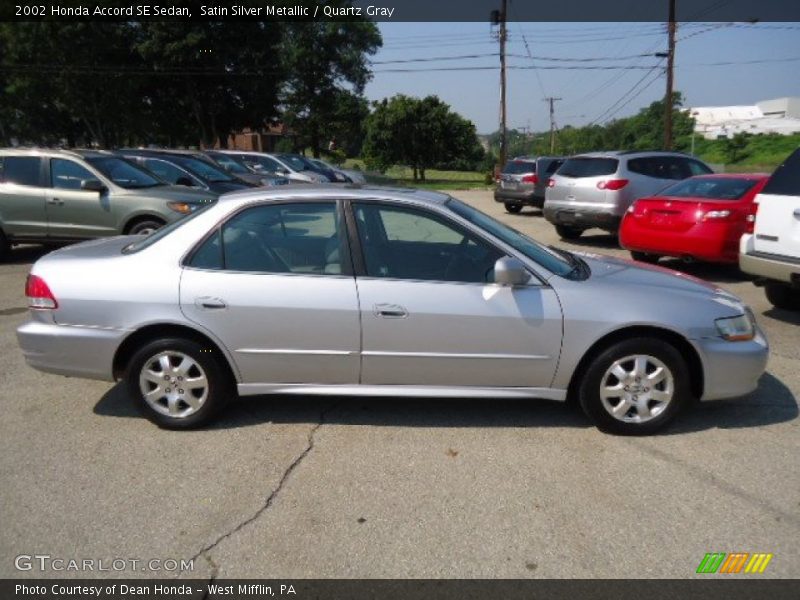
(785, 181)
(22, 170)
(661, 167)
(516, 167)
(588, 167)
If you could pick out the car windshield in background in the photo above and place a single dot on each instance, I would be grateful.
(588, 167)
(714, 188)
(123, 173)
(542, 255)
(202, 169)
(517, 167)
(297, 163)
(232, 165)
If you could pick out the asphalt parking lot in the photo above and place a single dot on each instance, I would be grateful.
(292, 487)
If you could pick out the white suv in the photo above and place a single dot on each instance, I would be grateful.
(772, 250)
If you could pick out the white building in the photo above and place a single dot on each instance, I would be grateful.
(781, 115)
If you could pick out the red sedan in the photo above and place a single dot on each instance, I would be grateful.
(698, 218)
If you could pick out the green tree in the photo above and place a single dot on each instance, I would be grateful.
(734, 148)
(420, 133)
(326, 71)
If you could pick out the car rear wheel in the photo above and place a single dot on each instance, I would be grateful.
(145, 227)
(178, 383)
(513, 208)
(782, 295)
(635, 387)
(645, 257)
(568, 233)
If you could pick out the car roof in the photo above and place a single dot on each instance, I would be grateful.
(334, 191)
(629, 154)
(73, 152)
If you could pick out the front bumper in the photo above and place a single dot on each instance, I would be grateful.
(732, 369)
(69, 350)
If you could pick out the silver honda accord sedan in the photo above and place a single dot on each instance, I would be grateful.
(380, 292)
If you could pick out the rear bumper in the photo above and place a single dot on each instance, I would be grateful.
(70, 350)
(713, 242)
(518, 197)
(763, 265)
(582, 215)
(732, 369)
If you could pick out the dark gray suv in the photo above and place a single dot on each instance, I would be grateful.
(59, 196)
(523, 181)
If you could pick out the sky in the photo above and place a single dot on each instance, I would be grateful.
(762, 62)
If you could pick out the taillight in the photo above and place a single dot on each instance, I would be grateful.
(39, 294)
(750, 220)
(551, 183)
(612, 184)
(530, 179)
(716, 215)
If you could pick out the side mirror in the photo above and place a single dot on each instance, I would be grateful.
(184, 181)
(511, 272)
(93, 185)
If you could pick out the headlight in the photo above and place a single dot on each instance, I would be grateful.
(182, 207)
(737, 329)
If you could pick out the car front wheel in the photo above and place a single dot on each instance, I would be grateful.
(178, 383)
(635, 387)
(5, 246)
(145, 227)
(513, 208)
(782, 295)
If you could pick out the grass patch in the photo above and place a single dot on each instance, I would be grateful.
(435, 179)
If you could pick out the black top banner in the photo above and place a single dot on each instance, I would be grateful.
(404, 10)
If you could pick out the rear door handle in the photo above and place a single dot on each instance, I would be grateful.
(209, 303)
(390, 311)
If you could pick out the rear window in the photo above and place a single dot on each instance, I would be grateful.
(785, 181)
(713, 188)
(517, 167)
(588, 167)
(22, 170)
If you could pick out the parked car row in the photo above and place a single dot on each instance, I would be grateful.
(668, 204)
(54, 196)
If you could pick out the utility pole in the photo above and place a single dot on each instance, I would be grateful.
(552, 100)
(499, 18)
(671, 27)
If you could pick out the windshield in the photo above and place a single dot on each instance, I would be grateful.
(296, 162)
(542, 255)
(713, 188)
(202, 169)
(230, 164)
(123, 173)
(145, 241)
(588, 167)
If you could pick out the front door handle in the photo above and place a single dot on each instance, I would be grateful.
(55, 201)
(209, 303)
(390, 311)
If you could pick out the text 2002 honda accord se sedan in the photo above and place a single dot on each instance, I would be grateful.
(380, 292)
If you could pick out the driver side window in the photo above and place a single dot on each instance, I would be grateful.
(68, 175)
(407, 243)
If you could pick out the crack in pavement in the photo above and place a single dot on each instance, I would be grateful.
(267, 503)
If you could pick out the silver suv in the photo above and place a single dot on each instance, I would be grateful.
(595, 189)
(59, 196)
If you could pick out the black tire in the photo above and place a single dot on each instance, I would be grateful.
(589, 387)
(5, 247)
(211, 398)
(513, 208)
(782, 295)
(645, 257)
(568, 233)
(145, 226)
